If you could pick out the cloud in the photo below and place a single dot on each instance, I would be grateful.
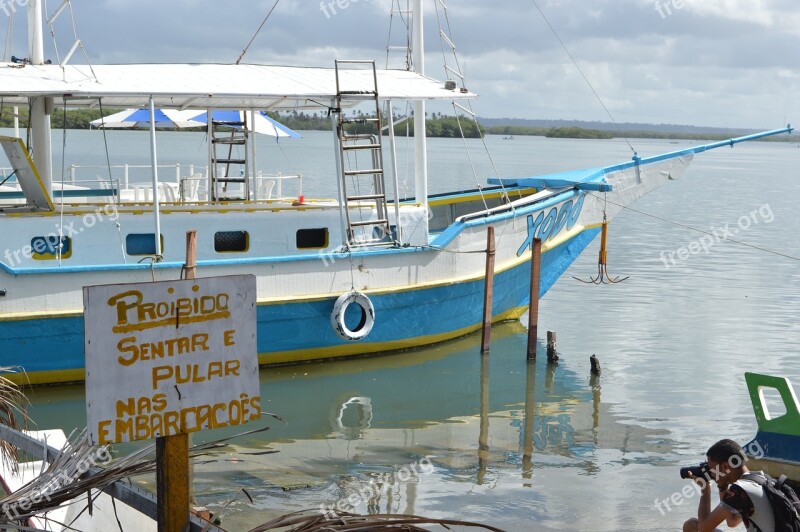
(701, 62)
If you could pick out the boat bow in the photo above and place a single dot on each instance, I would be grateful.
(626, 182)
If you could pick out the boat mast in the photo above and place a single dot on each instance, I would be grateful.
(420, 140)
(41, 106)
(154, 162)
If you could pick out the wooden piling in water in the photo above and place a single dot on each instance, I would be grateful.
(487, 294)
(595, 362)
(527, 439)
(533, 310)
(552, 354)
(483, 429)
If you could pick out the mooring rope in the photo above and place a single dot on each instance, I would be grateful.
(667, 220)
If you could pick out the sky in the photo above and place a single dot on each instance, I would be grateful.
(723, 63)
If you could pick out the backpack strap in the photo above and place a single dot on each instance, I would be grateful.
(762, 479)
(759, 478)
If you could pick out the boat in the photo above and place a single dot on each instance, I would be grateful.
(365, 272)
(776, 446)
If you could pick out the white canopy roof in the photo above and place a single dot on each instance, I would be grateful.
(208, 85)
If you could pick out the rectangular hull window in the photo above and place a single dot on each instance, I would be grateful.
(231, 241)
(312, 238)
(47, 247)
(142, 244)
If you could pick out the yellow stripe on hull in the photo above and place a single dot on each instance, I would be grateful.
(38, 378)
(356, 349)
(287, 357)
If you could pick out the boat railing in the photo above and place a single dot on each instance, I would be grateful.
(133, 173)
(185, 182)
(177, 183)
(79, 191)
(266, 184)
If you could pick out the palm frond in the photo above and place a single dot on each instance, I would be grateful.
(81, 469)
(13, 413)
(314, 521)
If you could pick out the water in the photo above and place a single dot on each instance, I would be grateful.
(674, 343)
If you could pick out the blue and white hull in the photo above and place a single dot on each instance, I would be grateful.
(428, 291)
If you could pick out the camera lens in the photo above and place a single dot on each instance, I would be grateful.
(701, 470)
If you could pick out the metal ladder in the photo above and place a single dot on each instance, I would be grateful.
(362, 178)
(227, 134)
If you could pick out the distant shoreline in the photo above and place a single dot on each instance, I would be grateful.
(582, 133)
(441, 126)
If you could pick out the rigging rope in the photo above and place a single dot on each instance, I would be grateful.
(448, 36)
(111, 180)
(51, 24)
(8, 35)
(739, 242)
(469, 157)
(405, 23)
(105, 139)
(580, 71)
(246, 48)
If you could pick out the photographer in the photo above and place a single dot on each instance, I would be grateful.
(741, 500)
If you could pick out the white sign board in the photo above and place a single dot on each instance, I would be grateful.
(170, 357)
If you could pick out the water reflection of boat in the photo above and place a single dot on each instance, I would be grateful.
(351, 421)
(473, 416)
(776, 447)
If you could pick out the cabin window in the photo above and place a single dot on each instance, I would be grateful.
(142, 244)
(231, 241)
(47, 247)
(312, 238)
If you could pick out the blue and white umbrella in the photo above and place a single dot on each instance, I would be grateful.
(132, 118)
(262, 123)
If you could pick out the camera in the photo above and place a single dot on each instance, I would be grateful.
(701, 470)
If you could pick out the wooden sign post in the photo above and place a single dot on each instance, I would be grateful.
(167, 358)
(173, 486)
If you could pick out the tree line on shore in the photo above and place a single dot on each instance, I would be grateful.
(436, 125)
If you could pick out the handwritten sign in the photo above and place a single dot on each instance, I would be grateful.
(170, 357)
